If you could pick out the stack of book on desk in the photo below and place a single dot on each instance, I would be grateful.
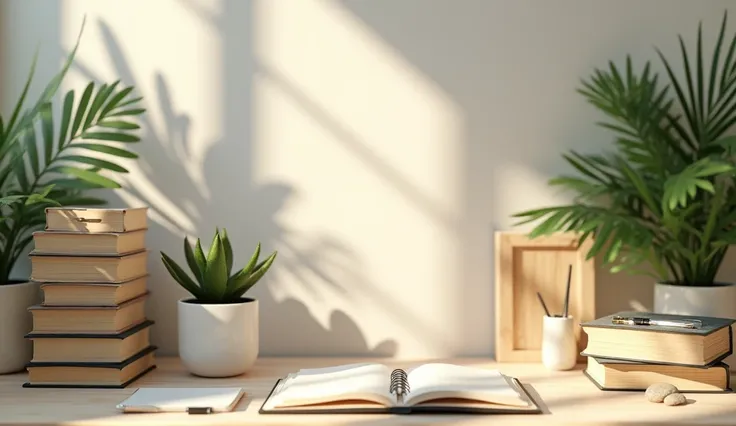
(626, 354)
(91, 328)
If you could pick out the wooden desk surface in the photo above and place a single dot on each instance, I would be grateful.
(567, 397)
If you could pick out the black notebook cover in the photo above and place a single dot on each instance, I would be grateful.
(111, 365)
(408, 410)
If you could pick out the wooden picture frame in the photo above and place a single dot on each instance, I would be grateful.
(525, 266)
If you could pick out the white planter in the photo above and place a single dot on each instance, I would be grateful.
(15, 322)
(218, 340)
(714, 301)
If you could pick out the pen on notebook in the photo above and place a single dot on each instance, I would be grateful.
(544, 305)
(689, 323)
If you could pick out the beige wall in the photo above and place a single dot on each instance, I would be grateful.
(376, 144)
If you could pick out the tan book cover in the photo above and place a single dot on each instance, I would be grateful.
(88, 268)
(91, 347)
(95, 220)
(91, 374)
(92, 294)
(88, 319)
(75, 243)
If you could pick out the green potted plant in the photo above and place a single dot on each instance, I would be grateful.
(48, 161)
(218, 325)
(662, 202)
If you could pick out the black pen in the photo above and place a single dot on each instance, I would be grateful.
(544, 305)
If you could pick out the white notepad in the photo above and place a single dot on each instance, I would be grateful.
(191, 400)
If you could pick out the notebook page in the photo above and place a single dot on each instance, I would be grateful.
(436, 380)
(179, 399)
(353, 381)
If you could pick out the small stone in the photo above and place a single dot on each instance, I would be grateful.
(659, 391)
(675, 399)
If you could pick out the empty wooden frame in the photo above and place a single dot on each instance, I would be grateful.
(526, 266)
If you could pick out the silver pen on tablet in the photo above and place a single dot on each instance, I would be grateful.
(685, 323)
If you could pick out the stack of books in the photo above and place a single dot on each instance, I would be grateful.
(629, 351)
(91, 328)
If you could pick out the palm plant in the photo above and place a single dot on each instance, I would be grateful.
(665, 197)
(213, 280)
(47, 161)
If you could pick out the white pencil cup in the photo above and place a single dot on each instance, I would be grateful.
(559, 347)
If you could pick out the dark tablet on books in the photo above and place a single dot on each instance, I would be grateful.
(376, 388)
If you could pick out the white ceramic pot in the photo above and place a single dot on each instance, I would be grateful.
(559, 346)
(15, 322)
(712, 301)
(218, 340)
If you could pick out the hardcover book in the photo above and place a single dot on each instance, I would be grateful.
(376, 388)
(96, 220)
(616, 375)
(88, 268)
(93, 294)
(80, 244)
(90, 347)
(90, 374)
(706, 345)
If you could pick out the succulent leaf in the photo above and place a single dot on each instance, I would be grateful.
(215, 276)
(228, 250)
(180, 276)
(253, 278)
(192, 262)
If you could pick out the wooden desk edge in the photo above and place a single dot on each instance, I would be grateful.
(68, 407)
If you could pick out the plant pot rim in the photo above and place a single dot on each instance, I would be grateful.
(716, 284)
(194, 302)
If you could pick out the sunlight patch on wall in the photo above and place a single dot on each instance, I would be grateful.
(520, 187)
(178, 71)
(373, 148)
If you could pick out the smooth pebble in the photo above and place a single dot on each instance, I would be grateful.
(675, 399)
(659, 391)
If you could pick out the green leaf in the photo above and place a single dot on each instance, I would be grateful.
(28, 136)
(215, 275)
(47, 130)
(81, 109)
(192, 262)
(66, 116)
(253, 278)
(228, 250)
(118, 124)
(115, 100)
(181, 277)
(102, 164)
(118, 152)
(102, 94)
(199, 257)
(109, 136)
(134, 111)
(87, 175)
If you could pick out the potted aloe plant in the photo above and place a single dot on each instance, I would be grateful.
(218, 325)
(48, 160)
(663, 201)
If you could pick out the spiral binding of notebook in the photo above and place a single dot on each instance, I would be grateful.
(399, 384)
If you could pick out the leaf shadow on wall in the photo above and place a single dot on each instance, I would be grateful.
(190, 198)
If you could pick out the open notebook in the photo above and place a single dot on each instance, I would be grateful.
(377, 388)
